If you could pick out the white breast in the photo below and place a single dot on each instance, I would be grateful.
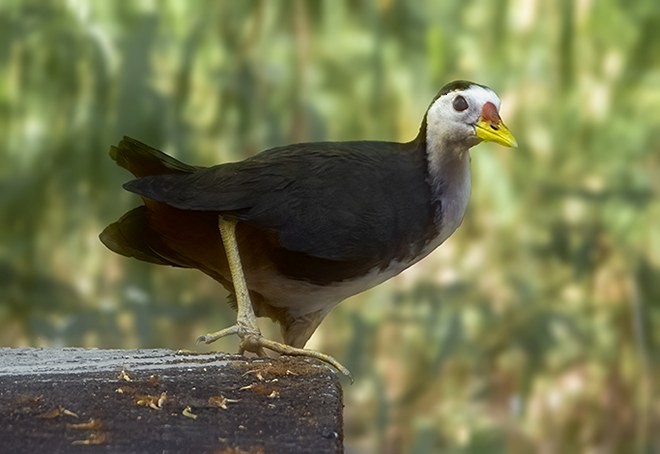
(455, 196)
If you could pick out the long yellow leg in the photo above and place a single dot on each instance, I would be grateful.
(246, 321)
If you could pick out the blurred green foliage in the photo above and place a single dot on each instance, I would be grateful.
(533, 329)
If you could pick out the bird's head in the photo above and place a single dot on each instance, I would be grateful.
(466, 113)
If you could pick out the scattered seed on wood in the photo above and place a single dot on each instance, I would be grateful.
(123, 375)
(92, 424)
(221, 401)
(57, 412)
(187, 412)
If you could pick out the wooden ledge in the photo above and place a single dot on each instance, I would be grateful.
(154, 400)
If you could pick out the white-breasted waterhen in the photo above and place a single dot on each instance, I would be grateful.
(294, 230)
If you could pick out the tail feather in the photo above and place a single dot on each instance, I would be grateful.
(131, 236)
(142, 160)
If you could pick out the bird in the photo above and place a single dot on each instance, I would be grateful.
(292, 231)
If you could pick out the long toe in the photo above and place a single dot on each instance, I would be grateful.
(284, 349)
(212, 337)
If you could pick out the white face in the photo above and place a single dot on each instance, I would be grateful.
(450, 119)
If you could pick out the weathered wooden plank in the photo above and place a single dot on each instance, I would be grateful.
(66, 400)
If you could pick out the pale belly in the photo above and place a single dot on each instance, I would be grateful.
(301, 298)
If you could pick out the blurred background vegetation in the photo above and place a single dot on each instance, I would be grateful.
(533, 329)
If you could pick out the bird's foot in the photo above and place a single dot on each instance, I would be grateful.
(248, 335)
(253, 341)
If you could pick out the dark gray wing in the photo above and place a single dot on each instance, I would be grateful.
(333, 200)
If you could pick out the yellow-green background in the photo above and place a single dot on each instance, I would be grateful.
(535, 328)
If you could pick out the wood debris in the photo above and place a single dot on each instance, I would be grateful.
(152, 401)
(187, 412)
(221, 401)
(91, 424)
(57, 412)
(94, 438)
(123, 375)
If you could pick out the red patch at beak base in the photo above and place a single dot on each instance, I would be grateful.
(489, 113)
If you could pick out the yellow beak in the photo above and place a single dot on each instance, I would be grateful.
(490, 131)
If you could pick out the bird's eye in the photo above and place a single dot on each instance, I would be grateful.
(460, 104)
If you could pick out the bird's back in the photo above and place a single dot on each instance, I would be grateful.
(339, 201)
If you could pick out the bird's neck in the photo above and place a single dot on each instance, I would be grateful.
(449, 178)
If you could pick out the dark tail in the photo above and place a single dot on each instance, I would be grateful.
(142, 160)
(132, 235)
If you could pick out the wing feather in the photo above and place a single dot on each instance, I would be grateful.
(339, 201)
